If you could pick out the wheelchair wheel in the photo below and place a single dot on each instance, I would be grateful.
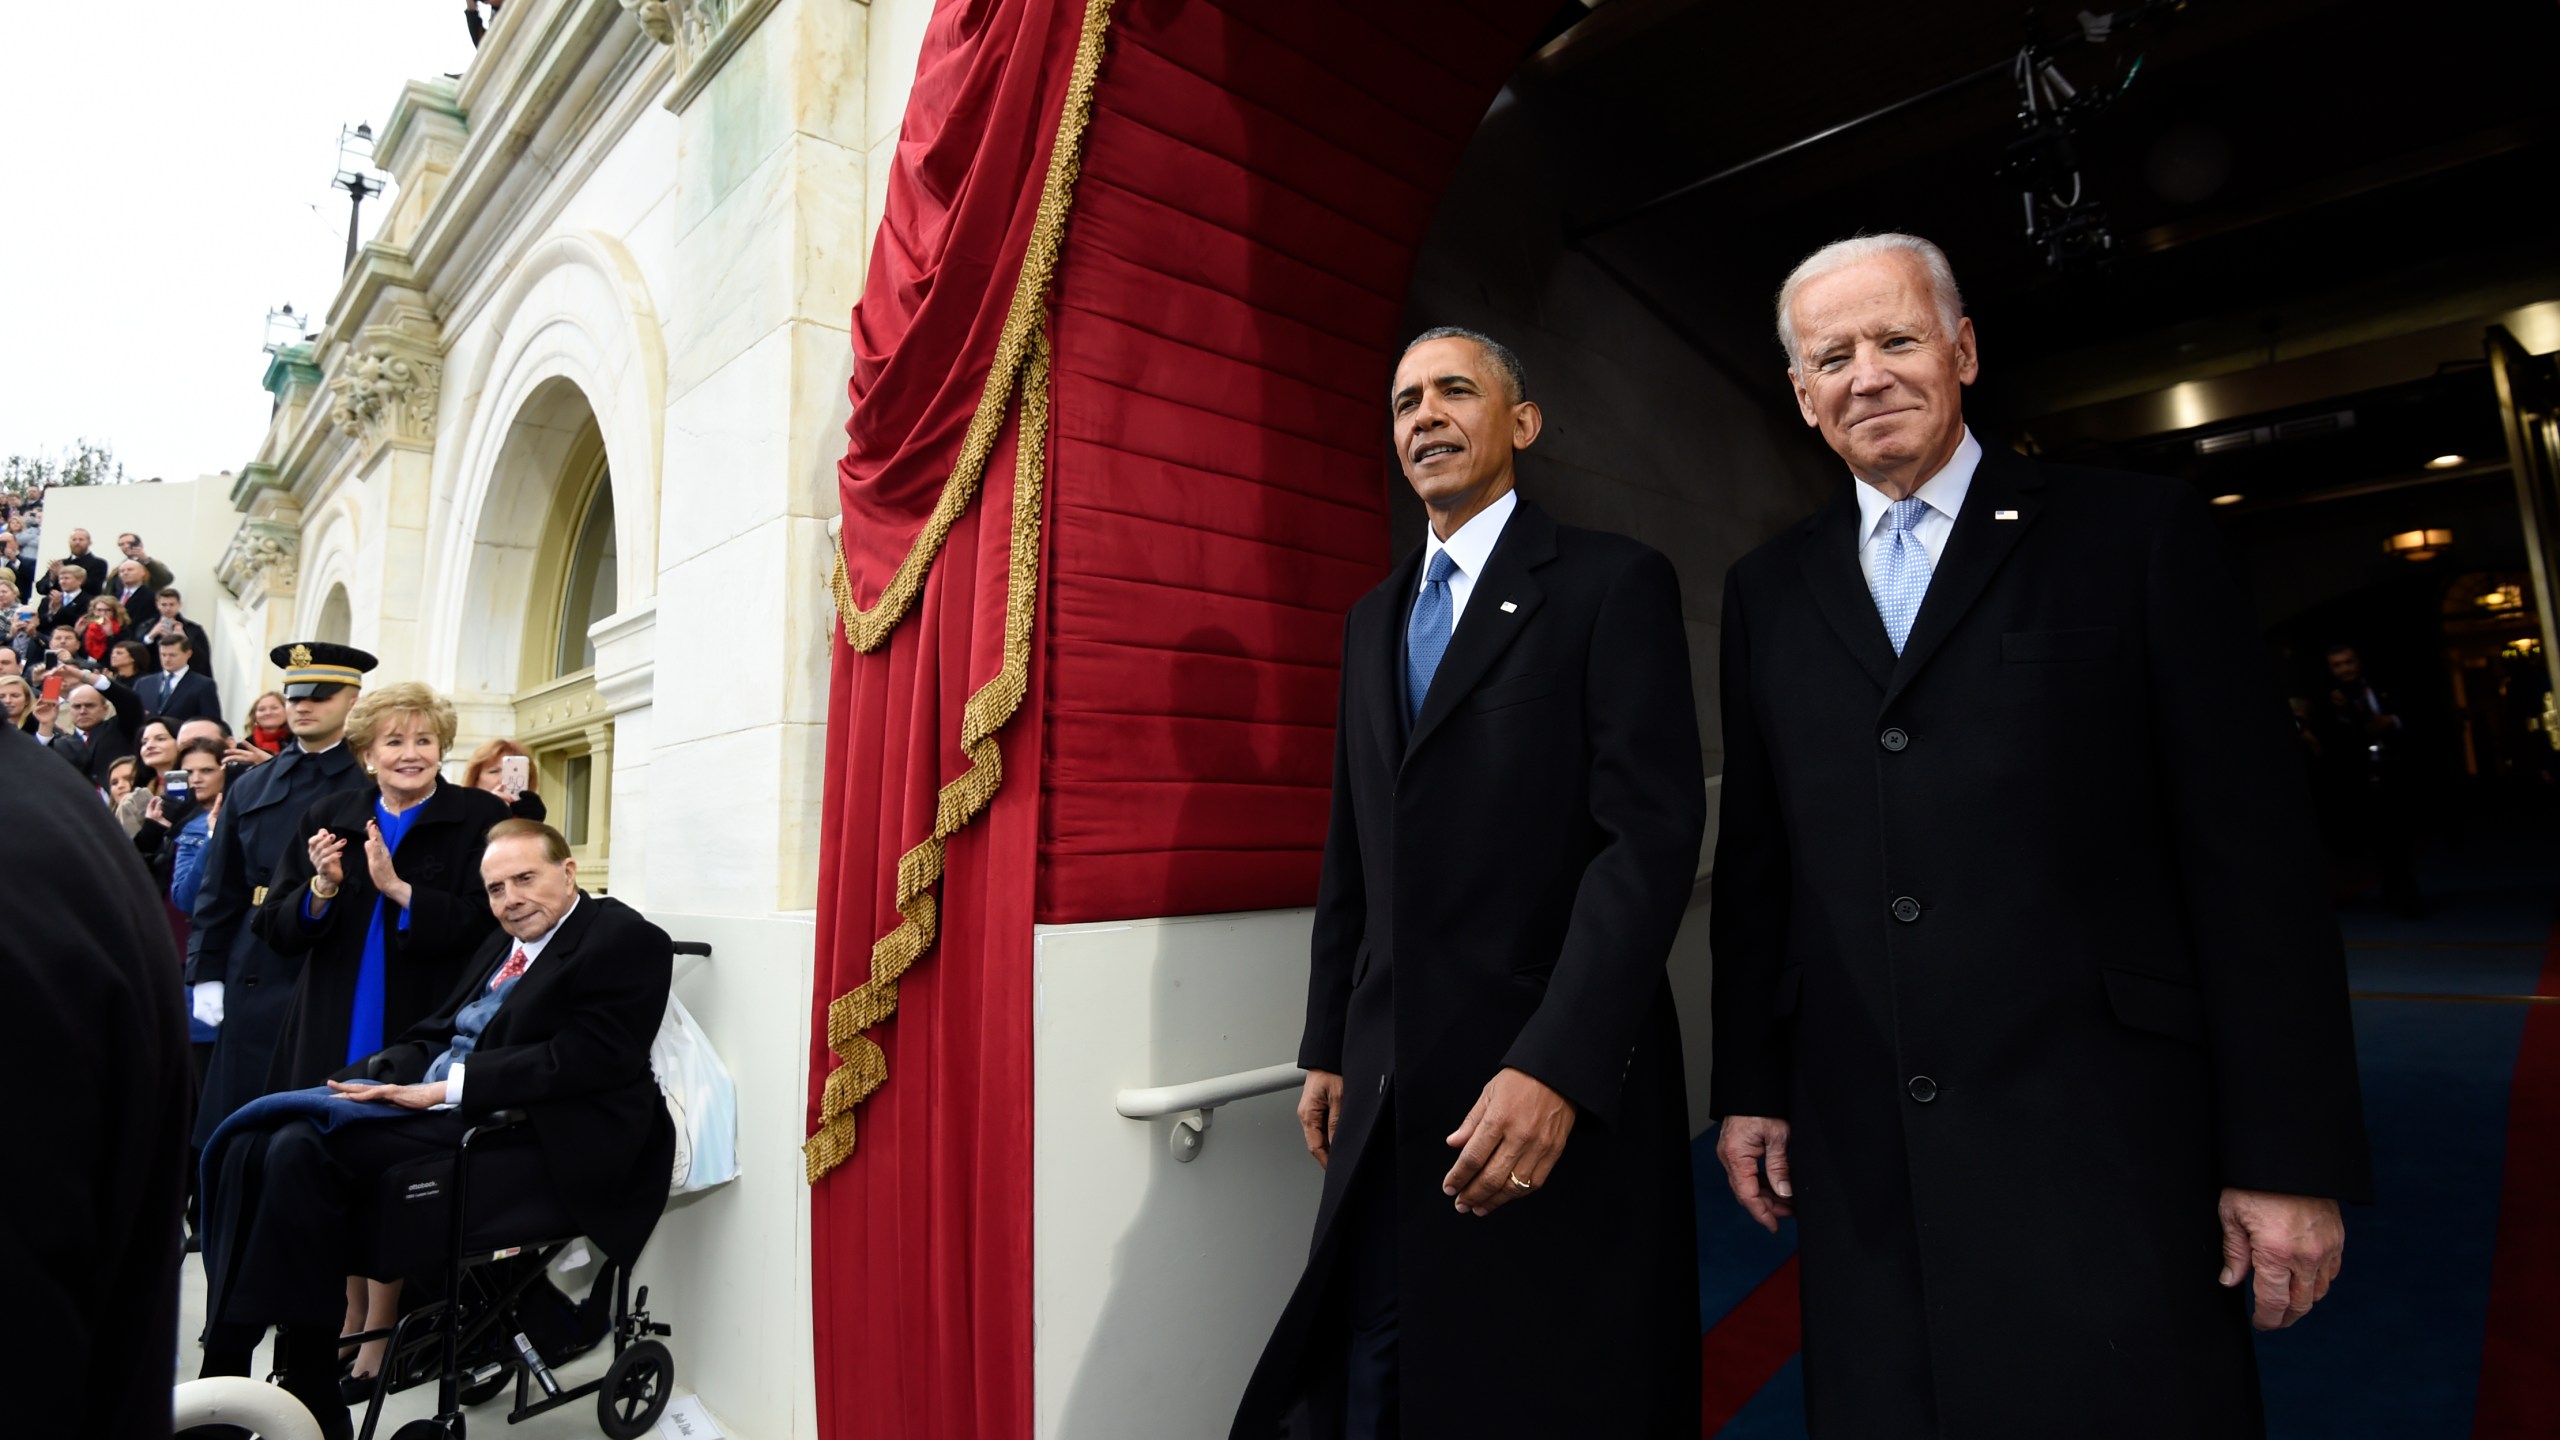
(428, 1430)
(636, 1389)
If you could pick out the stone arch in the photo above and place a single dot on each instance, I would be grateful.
(337, 622)
(332, 583)
(551, 430)
(572, 340)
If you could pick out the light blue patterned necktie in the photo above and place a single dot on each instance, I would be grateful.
(1902, 569)
(1426, 635)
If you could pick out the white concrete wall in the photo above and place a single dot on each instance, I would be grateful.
(729, 1267)
(184, 524)
(1155, 1282)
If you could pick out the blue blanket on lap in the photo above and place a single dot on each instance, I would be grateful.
(324, 1108)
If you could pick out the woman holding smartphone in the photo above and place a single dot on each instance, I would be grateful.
(156, 744)
(380, 888)
(504, 769)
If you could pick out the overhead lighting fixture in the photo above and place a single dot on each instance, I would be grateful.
(2229, 499)
(2418, 544)
(2446, 462)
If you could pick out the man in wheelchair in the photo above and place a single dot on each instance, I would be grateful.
(553, 1020)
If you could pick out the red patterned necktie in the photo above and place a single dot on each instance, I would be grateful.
(513, 968)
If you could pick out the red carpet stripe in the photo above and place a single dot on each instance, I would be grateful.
(2521, 1354)
(1753, 1342)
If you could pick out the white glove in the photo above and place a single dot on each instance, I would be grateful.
(205, 1002)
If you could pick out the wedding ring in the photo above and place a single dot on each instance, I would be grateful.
(1519, 1184)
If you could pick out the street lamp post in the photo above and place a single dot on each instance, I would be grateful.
(356, 177)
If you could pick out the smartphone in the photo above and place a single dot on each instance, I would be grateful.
(53, 686)
(516, 772)
(348, 835)
(175, 785)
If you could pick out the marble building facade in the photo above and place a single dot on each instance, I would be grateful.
(564, 447)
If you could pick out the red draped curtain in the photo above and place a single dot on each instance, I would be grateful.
(1223, 316)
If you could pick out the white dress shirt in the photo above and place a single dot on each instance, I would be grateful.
(532, 949)
(1468, 550)
(1943, 493)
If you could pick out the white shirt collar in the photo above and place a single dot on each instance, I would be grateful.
(1944, 492)
(533, 948)
(174, 676)
(1473, 544)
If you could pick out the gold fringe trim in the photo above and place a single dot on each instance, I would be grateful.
(1021, 368)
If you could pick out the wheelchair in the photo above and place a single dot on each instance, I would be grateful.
(470, 1340)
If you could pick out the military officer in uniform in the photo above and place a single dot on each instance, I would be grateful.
(254, 985)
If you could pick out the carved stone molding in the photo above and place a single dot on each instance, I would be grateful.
(658, 18)
(264, 557)
(703, 33)
(382, 394)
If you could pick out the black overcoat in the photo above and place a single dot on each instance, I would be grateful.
(95, 753)
(1500, 888)
(570, 1048)
(448, 918)
(2025, 934)
(98, 1141)
(259, 812)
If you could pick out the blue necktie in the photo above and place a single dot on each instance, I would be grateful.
(1902, 568)
(1426, 635)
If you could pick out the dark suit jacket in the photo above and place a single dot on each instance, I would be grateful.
(88, 1237)
(259, 813)
(194, 697)
(448, 918)
(115, 737)
(54, 610)
(2025, 932)
(570, 1047)
(143, 626)
(92, 564)
(141, 609)
(1500, 888)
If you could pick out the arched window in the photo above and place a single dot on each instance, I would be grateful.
(558, 714)
(336, 625)
(590, 594)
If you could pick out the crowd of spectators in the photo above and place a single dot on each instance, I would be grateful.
(320, 878)
(104, 668)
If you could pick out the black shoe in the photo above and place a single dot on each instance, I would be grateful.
(307, 1358)
(354, 1390)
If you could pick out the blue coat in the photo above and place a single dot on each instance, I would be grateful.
(259, 814)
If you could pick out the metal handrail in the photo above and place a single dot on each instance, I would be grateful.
(1158, 1101)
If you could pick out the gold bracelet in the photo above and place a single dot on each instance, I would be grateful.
(324, 897)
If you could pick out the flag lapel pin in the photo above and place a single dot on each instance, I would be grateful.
(1508, 607)
(2004, 514)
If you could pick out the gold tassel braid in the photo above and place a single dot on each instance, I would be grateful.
(1020, 369)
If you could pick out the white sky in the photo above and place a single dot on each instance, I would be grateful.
(164, 172)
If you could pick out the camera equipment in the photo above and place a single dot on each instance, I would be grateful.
(2063, 220)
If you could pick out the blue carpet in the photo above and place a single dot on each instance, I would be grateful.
(2394, 1353)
